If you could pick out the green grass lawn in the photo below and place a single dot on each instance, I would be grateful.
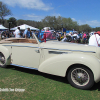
(40, 86)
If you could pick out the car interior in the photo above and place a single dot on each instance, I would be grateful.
(20, 40)
(24, 41)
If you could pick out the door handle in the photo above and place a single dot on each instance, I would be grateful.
(37, 51)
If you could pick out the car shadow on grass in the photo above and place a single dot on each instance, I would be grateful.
(36, 72)
(96, 86)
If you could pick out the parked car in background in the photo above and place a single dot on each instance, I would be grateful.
(78, 63)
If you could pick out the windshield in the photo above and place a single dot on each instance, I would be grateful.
(46, 36)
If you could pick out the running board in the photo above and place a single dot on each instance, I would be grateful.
(24, 66)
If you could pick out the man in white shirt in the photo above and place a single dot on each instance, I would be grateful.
(17, 33)
(94, 40)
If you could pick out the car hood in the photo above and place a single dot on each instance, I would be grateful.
(56, 45)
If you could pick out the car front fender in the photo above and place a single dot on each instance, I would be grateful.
(59, 64)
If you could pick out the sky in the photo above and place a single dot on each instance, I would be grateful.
(82, 11)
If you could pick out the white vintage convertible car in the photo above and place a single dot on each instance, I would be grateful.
(80, 64)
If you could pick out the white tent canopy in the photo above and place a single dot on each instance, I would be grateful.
(2, 27)
(24, 26)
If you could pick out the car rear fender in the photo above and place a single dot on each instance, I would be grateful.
(59, 64)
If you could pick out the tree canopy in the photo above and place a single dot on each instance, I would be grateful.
(4, 11)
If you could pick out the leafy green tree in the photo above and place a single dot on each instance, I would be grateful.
(20, 22)
(96, 29)
(39, 25)
(12, 21)
(4, 11)
(59, 22)
(85, 28)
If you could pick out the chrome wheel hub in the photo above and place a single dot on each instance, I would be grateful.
(80, 77)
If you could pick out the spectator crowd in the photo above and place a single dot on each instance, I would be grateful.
(74, 37)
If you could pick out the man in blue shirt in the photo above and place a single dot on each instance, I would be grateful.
(28, 33)
(25, 32)
(42, 33)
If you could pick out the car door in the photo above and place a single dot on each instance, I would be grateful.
(26, 54)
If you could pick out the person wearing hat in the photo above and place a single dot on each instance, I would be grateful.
(94, 40)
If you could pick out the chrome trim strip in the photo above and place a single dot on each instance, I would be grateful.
(57, 52)
(21, 46)
(24, 66)
(7, 45)
(67, 50)
(50, 48)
